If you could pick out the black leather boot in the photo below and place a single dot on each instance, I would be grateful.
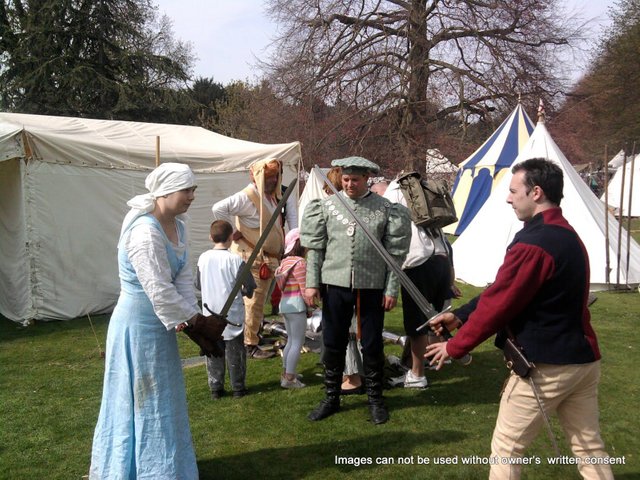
(373, 380)
(327, 407)
(333, 368)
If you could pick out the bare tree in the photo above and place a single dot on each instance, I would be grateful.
(414, 63)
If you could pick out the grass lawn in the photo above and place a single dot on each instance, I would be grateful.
(51, 382)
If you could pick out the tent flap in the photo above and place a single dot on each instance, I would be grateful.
(623, 189)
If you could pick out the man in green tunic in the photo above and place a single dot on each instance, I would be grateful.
(346, 272)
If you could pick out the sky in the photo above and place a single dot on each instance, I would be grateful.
(228, 35)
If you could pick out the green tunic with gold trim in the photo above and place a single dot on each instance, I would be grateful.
(340, 253)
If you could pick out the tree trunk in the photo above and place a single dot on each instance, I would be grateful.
(413, 110)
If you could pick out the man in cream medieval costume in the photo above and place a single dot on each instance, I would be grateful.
(346, 272)
(252, 207)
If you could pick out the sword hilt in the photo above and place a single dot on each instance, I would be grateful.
(446, 334)
(425, 307)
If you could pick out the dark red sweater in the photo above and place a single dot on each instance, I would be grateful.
(541, 292)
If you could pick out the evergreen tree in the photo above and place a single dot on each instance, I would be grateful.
(93, 58)
(614, 86)
(207, 93)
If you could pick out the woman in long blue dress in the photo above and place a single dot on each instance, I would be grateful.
(143, 426)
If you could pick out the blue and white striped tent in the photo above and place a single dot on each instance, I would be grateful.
(479, 173)
(480, 250)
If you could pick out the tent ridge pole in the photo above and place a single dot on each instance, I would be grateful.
(607, 273)
(157, 150)
(633, 163)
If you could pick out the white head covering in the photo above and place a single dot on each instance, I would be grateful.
(165, 179)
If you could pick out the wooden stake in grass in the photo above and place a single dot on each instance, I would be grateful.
(619, 253)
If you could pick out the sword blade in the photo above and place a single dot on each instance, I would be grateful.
(423, 304)
(547, 422)
(246, 269)
(425, 307)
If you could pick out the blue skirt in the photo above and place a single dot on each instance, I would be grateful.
(143, 427)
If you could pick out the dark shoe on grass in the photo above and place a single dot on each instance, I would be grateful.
(352, 391)
(254, 352)
(217, 394)
(326, 408)
(240, 393)
(379, 413)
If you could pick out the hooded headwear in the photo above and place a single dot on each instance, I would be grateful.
(163, 180)
(290, 239)
(267, 168)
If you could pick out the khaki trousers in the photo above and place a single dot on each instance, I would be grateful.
(570, 391)
(254, 306)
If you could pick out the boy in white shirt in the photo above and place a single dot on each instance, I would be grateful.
(217, 273)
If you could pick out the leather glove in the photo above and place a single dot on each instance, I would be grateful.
(206, 332)
(207, 347)
(210, 326)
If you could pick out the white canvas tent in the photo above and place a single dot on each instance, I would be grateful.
(617, 160)
(64, 184)
(314, 188)
(480, 250)
(630, 178)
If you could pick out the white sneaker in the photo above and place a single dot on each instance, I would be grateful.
(394, 361)
(284, 383)
(411, 381)
(396, 381)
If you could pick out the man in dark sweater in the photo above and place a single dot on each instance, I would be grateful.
(539, 297)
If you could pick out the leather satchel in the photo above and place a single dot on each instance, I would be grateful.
(516, 360)
(428, 201)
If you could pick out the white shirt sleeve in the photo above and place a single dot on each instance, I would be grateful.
(237, 205)
(173, 303)
(184, 285)
(393, 194)
(292, 212)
